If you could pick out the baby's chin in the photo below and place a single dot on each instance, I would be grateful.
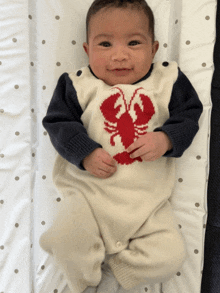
(113, 78)
(115, 81)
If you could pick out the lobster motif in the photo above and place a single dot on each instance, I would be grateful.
(119, 121)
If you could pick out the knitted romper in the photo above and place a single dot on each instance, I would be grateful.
(128, 216)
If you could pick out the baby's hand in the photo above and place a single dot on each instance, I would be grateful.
(150, 146)
(100, 164)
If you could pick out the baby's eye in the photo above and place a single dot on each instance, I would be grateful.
(105, 44)
(134, 43)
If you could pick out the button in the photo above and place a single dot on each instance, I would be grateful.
(118, 244)
(79, 73)
(165, 64)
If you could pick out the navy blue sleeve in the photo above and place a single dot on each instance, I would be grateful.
(64, 126)
(185, 110)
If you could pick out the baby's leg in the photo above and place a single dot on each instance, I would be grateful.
(155, 253)
(75, 243)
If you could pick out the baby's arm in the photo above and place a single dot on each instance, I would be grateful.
(178, 132)
(67, 133)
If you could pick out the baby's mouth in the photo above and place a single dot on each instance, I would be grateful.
(121, 71)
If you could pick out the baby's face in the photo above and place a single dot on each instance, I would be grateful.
(120, 48)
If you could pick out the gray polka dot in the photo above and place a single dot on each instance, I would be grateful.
(207, 17)
(55, 291)
(176, 21)
(180, 226)
(42, 267)
(33, 155)
(16, 86)
(32, 63)
(45, 133)
(203, 64)
(2, 247)
(57, 17)
(44, 177)
(30, 16)
(58, 199)
(2, 111)
(17, 133)
(2, 155)
(43, 223)
(44, 87)
(17, 178)
(1, 201)
(32, 110)
(204, 226)
(197, 205)
(188, 42)
(14, 40)
(74, 42)
(16, 225)
(196, 251)
(16, 271)
(43, 42)
(0, 62)
(178, 274)
(180, 179)
(58, 63)
(165, 45)
(198, 157)
(145, 289)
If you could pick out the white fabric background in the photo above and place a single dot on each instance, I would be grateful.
(40, 40)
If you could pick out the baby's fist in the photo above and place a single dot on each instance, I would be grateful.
(100, 164)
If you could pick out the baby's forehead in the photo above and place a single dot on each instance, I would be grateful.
(129, 8)
(101, 14)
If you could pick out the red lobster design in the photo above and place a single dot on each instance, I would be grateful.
(123, 124)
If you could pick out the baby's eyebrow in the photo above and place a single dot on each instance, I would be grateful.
(137, 34)
(102, 36)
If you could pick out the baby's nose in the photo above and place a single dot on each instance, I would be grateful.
(120, 54)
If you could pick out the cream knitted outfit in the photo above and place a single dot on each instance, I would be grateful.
(127, 216)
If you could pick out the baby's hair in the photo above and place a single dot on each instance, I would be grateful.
(137, 4)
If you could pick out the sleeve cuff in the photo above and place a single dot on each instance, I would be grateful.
(80, 147)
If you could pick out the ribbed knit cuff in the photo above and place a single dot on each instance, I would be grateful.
(80, 147)
(123, 273)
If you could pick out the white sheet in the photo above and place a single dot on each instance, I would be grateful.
(15, 149)
(39, 41)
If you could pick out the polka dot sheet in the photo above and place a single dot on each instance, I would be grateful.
(39, 41)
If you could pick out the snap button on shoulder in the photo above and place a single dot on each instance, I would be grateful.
(79, 73)
(165, 64)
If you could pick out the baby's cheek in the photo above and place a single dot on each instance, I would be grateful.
(99, 65)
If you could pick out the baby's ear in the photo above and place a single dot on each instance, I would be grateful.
(86, 48)
(155, 47)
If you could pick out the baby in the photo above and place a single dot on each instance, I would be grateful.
(118, 126)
